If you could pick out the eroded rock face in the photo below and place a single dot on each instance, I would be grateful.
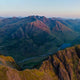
(64, 65)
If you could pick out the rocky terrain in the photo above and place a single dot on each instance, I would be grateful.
(63, 65)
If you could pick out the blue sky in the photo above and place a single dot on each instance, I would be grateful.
(48, 8)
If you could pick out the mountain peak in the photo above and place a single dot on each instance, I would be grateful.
(40, 25)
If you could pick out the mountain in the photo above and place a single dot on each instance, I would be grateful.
(60, 27)
(26, 39)
(60, 30)
(33, 36)
(74, 24)
(1, 18)
(64, 65)
(33, 42)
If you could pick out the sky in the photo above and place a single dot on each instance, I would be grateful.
(48, 8)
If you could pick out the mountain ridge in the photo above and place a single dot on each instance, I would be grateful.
(64, 65)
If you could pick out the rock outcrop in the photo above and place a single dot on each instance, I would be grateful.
(64, 65)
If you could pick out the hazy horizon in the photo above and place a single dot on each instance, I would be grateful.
(48, 8)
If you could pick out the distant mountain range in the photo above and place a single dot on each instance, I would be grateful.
(36, 35)
(1, 18)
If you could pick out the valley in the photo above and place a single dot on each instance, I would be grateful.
(32, 61)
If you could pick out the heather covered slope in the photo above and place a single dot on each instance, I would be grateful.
(64, 65)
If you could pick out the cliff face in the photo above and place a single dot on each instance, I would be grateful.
(64, 65)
